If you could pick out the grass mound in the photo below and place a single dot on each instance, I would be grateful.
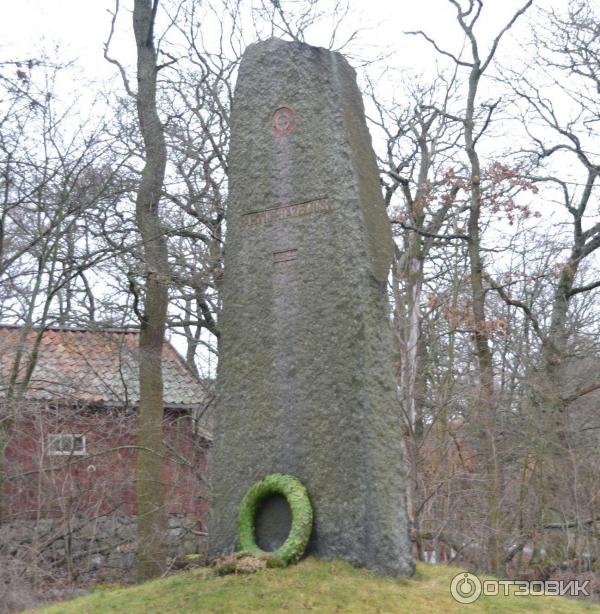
(312, 585)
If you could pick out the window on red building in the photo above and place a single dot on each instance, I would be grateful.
(61, 444)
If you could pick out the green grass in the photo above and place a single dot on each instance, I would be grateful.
(312, 585)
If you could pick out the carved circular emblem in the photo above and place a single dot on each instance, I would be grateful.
(284, 121)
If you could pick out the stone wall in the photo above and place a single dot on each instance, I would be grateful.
(104, 544)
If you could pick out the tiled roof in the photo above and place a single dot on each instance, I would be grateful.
(94, 367)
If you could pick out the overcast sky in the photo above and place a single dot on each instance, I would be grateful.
(81, 26)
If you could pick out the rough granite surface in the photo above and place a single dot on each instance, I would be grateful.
(305, 380)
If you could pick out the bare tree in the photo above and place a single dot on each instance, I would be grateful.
(475, 66)
(566, 172)
(56, 171)
(150, 495)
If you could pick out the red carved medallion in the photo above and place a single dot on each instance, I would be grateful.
(283, 121)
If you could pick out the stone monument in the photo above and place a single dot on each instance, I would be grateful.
(305, 380)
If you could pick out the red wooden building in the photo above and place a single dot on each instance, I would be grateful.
(71, 451)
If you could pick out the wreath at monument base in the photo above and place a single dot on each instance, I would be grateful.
(297, 497)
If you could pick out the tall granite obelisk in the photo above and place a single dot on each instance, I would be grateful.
(305, 379)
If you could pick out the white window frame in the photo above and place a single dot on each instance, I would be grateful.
(53, 437)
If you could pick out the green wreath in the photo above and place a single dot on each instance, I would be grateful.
(297, 497)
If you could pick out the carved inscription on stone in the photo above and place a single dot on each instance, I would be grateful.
(285, 259)
(288, 255)
(311, 207)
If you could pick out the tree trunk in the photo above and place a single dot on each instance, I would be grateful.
(551, 440)
(152, 520)
(485, 405)
(555, 347)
